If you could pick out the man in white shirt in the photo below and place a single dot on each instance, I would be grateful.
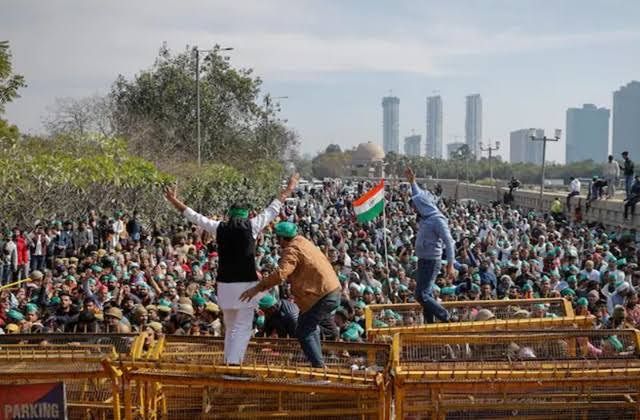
(236, 264)
(611, 173)
(574, 189)
(591, 273)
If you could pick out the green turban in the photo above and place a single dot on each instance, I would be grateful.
(238, 212)
(286, 230)
(15, 315)
(360, 304)
(267, 301)
(199, 300)
(448, 291)
(567, 291)
(583, 302)
(260, 321)
(31, 308)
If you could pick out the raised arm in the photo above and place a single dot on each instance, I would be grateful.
(263, 219)
(424, 201)
(171, 194)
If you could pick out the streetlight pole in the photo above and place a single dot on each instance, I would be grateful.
(544, 139)
(267, 101)
(490, 149)
(197, 51)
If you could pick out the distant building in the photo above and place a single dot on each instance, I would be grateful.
(626, 121)
(452, 148)
(367, 161)
(473, 124)
(391, 124)
(434, 127)
(412, 145)
(523, 149)
(587, 133)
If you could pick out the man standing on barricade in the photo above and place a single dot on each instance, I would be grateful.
(236, 241)
(314, 286)
(433, 235)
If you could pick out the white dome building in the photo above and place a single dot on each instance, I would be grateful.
(368, 161)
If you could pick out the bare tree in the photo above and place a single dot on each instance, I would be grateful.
(77, 117)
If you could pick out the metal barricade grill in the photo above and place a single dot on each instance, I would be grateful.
(382, 321)
(457, 374)
(185, 377)
(572, 373)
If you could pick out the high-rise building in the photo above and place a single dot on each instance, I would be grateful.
(587, 133)
(434, 127)
(412, 145)
(391, 124)
(473, 124)
(523, 149)
(626, 121)
(452, 148)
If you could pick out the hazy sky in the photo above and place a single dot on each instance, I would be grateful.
(529, 60)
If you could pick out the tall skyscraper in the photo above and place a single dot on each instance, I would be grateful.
(523, 149)
(434, 127)
(626, 121)
(412, 145)
(473, 124)
(452, 148)
(391, 124)
(587, 133)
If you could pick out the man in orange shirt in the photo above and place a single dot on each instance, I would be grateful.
(314, 286)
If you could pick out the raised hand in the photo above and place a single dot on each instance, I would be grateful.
(171, 194)
(291, 185)
(409, 174)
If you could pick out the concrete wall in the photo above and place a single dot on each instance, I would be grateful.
(608, 212)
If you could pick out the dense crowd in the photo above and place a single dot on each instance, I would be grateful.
(117, 274)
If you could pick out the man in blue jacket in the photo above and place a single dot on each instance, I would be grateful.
(433, 235)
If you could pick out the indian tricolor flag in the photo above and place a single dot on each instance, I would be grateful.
(371, 204)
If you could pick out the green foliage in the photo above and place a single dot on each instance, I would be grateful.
(156, 111)
(461, 166)
(65, 177)
(9, 82)
(332, 165)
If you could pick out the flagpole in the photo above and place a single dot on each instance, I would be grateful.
(384, 228)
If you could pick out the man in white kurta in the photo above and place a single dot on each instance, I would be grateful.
(236, 272)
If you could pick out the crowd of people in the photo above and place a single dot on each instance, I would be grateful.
(604, 186)
(118, 274)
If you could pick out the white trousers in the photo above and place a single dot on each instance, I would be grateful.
(238, 319)
(238, 328)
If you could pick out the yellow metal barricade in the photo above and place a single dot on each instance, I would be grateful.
(184, 377)
(82, 361)
(590, 374)
(382, 321)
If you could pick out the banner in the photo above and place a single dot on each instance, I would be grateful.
(34, 401)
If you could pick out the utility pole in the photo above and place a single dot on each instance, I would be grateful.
(197, 51)
(490, 149)
(544, 139)
(267, 108)
(198, 106)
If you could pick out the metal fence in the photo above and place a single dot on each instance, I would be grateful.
(589, 374)
(382, 321)
(185, 377)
